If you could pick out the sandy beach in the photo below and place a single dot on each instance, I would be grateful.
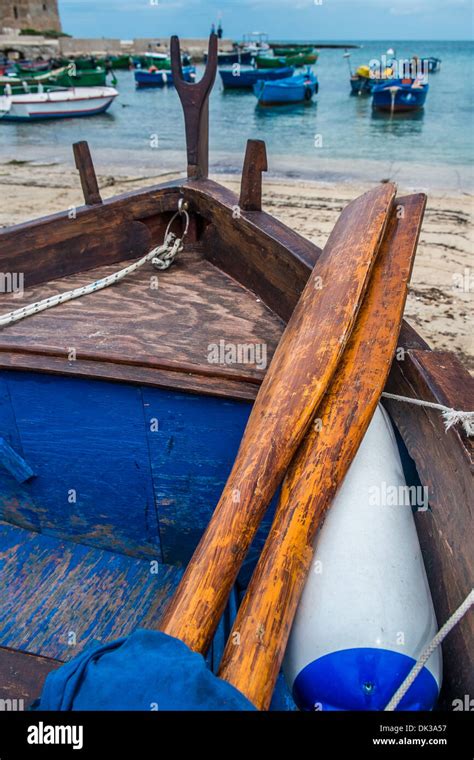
(440, 298)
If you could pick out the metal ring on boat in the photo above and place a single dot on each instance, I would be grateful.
(182, 210)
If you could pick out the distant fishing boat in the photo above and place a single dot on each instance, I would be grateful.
(434, 64)
(300, 88)
(292, 49)
(161, 77)
(161, 61)
(246, 77)
(399, 95)
(235, 56)
(361, 82)
(57, 103)
(269, 62)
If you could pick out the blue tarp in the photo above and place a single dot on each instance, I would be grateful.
(148, 670)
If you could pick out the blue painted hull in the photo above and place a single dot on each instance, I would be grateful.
(225, 59)
(244, 78)
(161, 78)
(404, 98)
(297, 89)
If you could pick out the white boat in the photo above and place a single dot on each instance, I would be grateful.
(57, 103)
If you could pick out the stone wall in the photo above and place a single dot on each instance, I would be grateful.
(41, 15)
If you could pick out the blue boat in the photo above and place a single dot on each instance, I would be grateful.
(161, 77)
(399, 95)
(245, 77)
(296, 89)
(434, 64)
(362, 85)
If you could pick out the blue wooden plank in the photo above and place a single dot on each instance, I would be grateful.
(86, 442)
(119, 467)
(193, 441)
(58, 596)
(14, 463)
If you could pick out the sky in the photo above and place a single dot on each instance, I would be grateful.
(317, 20)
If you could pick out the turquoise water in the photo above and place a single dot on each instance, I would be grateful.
(430, 147)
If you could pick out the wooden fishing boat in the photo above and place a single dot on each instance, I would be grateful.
(62, 77)
(56, 103)
(299, 88)
(121, 412)
(434, 64)
(160, 78)
(399, 95)
(245, 77)
(269, 62)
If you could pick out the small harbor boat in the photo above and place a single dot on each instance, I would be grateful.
(127, 413)
(434, 64)
(56, 103)
(160, 61)
(399, 95)
(299, 88)
(269, 62)
(361, 82)
(235, 56)
(161, 77)
(245, 77)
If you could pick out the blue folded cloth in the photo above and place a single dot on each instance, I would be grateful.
(147, 670)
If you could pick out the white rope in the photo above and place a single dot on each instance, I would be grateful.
(161, 257)
(428, 651)
(451, 416)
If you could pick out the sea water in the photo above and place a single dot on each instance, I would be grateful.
(337, 137)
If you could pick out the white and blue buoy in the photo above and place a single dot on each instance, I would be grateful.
(366, 612)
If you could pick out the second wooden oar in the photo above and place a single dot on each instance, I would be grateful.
(256, 646)
(299, 374)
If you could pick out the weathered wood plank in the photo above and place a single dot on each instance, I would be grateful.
(22, 677)
(176, 324)
(87, 444)
(85, 167)
(251, 184)
(56, 596)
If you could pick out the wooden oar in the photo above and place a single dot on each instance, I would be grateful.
(256, 646)
(300, 371)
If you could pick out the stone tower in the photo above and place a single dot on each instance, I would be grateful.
(41, 15)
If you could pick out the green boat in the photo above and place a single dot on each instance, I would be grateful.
(269, 62)
(82, 78)
(296, 50)
(301, 59)
(119, 61)
(63, 77)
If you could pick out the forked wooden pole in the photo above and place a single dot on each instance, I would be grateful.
(255, 648)
(85, 167)
(299, 374)
(195, 101)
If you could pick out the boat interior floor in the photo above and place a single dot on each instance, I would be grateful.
(152, 327)
(57, 596)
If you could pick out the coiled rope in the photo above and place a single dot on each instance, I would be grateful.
(161, 257)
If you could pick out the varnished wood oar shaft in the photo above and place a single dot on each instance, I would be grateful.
(301, 369)
(255, 649)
